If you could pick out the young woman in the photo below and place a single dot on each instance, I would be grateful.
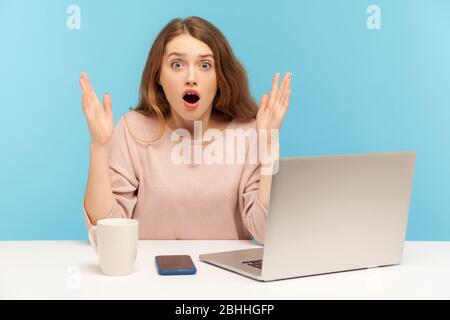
(191, 77)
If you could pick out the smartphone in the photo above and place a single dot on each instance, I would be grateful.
(173, 265)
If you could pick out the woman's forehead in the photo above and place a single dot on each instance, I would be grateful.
(186, 45)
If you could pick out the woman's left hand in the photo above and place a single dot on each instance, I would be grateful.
(273, 108)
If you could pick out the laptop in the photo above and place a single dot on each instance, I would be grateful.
(330, 214)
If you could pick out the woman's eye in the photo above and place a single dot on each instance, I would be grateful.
(206, 65)
(176, 64)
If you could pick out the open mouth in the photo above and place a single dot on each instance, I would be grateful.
(191, 98)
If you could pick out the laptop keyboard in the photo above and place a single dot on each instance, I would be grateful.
(254, 263)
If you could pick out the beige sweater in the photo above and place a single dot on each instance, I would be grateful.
(175, 200)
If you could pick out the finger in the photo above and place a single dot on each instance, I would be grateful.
(285, 104)
(283, 89)
(264, 101)
(287, 88)
(84, 102)
(84, 85)
(107, 102)
(94, 102)
(274, 90)
(85, 95)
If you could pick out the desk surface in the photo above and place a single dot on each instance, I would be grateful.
(69, 270)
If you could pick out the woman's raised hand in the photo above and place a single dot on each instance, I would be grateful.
(100, 118)
(273, 107)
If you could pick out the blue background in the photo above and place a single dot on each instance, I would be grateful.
(354, 90)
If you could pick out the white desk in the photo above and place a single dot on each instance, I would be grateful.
(69, 270)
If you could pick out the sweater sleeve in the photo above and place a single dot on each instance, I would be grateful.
(254, 214)
(124, 183)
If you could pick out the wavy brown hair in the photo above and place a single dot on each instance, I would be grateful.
(233, 98)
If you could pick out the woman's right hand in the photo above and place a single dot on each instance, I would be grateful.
(100, 119)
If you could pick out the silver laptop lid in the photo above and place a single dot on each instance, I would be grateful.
(336, 213)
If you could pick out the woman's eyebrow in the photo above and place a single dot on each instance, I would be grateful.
(184, 55)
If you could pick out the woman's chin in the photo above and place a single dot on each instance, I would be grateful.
(191, 115)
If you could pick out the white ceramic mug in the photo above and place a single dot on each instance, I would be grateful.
(115, 241)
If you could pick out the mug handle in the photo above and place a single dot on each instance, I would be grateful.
(93, 237)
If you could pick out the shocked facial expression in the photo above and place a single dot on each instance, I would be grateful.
(188, 77)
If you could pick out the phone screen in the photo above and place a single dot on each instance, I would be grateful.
(175, 264)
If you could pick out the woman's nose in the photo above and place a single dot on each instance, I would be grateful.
(191, 77)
